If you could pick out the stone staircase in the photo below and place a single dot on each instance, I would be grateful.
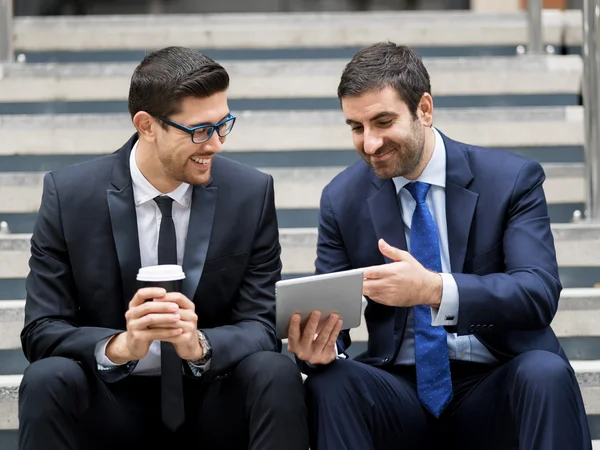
(67, 104)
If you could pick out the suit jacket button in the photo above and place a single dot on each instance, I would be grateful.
(490, 327)
(385, 360)
(478, 327)
(471, 328)
(484, 327)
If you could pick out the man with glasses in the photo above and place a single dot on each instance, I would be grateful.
(118, 367)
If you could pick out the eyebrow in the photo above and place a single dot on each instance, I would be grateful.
(206, 123)
(374, 118)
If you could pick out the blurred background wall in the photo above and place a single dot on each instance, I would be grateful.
(66, 7)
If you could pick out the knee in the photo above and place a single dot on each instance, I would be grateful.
(335, 379)
(543, 370)
(52, 378)
(269, 369)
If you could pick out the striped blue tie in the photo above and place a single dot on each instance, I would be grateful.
(434, 385)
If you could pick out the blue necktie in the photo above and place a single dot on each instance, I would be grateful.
(434, 385)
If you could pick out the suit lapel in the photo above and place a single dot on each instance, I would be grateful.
(123, 219)
(460, 203)
(204, 202)
(386, 214)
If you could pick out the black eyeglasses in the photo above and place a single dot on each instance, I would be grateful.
(203, 133)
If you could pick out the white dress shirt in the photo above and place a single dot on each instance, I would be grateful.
(464, 348)
(149, 218)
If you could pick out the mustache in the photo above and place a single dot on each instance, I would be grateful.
(385, 148)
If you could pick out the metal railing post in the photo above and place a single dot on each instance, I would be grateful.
(591, 100)
(535, 45)
(6, 30)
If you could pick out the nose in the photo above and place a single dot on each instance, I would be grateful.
(213, 144)
(372, 142)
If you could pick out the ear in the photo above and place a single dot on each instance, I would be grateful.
(146, 125)
(425, 110)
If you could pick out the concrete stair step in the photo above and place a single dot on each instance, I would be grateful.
(578, 316)
(9, 394)
(12, 316)
(288, 78)
(279, 30)
(588, 375)
(571, 277)
(576, 246)
(295, 188)
(294, 130)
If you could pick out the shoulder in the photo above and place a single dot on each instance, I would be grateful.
(229, 173)
(89, 173)
(491, 166)
(353, 181)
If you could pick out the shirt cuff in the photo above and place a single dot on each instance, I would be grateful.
(199, 370)
(447, 313)
(338, 355)
(100, 353)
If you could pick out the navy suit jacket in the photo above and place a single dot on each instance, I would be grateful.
(85, 257)
(500, 243)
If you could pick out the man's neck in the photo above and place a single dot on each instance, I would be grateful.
(429, 146)
(151, 168)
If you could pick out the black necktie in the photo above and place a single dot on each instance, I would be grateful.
(173, 412)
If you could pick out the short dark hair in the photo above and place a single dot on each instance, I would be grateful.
(167, 76)
(386, 64)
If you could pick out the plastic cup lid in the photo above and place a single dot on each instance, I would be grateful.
(164, 272)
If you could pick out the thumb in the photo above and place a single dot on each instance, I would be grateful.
(395, 254)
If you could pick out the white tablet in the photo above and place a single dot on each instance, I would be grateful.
(339, 292)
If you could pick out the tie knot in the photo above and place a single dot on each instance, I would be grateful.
(418, 190)
(165, 204)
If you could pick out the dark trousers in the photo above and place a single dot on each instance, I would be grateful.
(259, 406)
(532, 402)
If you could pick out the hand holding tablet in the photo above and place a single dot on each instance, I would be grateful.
(312, 344)
(338, 292)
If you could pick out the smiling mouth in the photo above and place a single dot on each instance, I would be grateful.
(205, 162)
(382, 155)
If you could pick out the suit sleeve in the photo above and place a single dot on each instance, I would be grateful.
(253, 313)
(525, 296)
(51, 306)
(331, 254)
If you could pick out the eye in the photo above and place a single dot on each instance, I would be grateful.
(357, 128)
(201, 132)
(385, 123)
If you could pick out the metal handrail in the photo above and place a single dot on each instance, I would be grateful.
(591, 101)
(6, 30)
(534, 19)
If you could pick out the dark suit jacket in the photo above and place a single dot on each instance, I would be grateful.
(501, 249)
(85, 257)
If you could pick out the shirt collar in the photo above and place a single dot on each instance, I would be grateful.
(435, 170)
(143, 191)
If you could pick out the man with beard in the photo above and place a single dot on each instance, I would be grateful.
(461, 280)
(118, 367)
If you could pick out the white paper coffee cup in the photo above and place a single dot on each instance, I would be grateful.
(167, 276)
